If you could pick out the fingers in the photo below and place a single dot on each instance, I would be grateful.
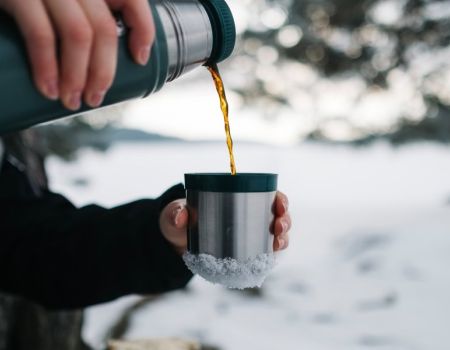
(103, 58)
(76, 41)
(88, 43)
(281, 205)
(282, 223)
(280, 229)
(34, 23)
(280, 242)
(138, 17)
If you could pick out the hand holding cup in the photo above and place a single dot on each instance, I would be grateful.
(175, 217)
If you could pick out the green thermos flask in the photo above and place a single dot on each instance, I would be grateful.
(189, 33)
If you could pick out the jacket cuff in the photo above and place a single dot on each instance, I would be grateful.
(173, 273)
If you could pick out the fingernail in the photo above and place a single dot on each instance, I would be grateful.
(144, 55)
(73, 101)
(51, 89)
(284, 225)
(176, 215)
(96, 98)
(281, 243)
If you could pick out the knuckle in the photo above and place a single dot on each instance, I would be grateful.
(137, 3)
(106, 28)
(42, 38)
(145, 36)
(79, 33)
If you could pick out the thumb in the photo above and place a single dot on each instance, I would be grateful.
(173, 223)
(180, 218)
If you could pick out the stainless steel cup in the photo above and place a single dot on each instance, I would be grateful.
(230, 215)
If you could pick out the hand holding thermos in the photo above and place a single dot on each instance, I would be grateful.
(86, 33)
(77, 55)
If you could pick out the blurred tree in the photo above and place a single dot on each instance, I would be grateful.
(375, 41)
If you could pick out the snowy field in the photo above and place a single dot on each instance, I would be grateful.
(368, 264)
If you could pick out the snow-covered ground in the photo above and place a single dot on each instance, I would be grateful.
(368, 264)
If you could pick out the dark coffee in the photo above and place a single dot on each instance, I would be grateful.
(214, 70)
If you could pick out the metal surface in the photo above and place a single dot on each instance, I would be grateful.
(234, 225)
(188, 33)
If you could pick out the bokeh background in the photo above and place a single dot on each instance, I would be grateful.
(349, 101)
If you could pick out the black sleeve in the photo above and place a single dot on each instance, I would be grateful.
(66, 257)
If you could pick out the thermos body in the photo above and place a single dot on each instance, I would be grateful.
(231, 225)
(230, 215)
(189, 33)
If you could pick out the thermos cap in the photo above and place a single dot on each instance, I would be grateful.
(223, 27)
(225, 182)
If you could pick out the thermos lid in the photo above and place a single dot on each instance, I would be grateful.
(223, 27)
(241, 182)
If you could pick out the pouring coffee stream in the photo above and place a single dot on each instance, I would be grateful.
(214, 70)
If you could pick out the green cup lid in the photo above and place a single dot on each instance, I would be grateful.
(241, 182)
(223, 27)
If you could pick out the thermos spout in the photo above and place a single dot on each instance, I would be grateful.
(196, 33)
(188, 36)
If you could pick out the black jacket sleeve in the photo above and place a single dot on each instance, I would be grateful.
(66, 257)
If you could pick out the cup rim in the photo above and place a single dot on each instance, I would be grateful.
(226, 182)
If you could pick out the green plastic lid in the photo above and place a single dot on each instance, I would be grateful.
(241, 182)
(223, 27)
